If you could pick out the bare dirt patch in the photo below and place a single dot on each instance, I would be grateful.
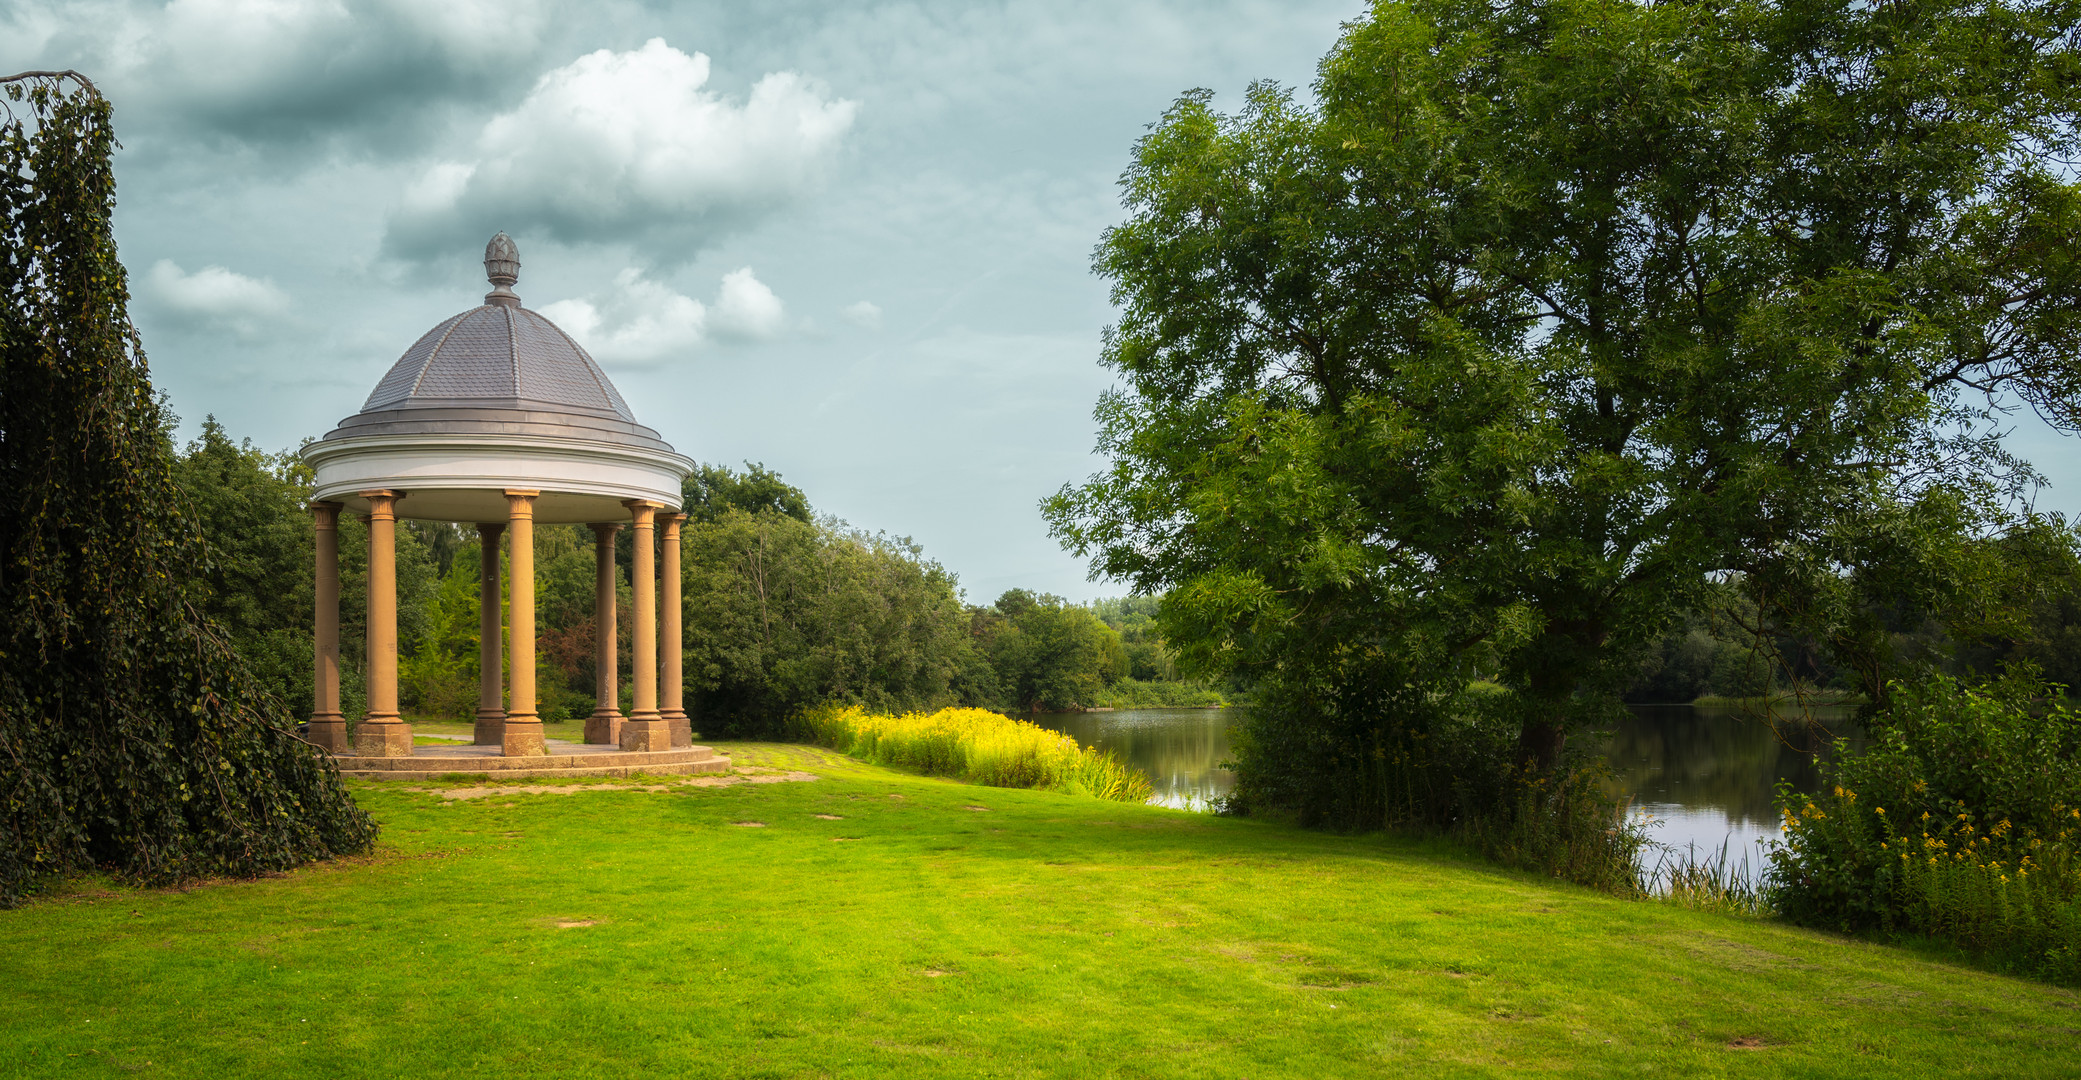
(574, 924)
(831, 817)
(1746, 1042)
(985, 809)
(738, 776)
(749, 824)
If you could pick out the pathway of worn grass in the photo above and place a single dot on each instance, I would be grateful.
(871, 923)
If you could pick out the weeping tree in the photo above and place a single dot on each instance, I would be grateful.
(1542, 317)
(131, 736)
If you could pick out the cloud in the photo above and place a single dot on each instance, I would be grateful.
(644, 323)
(631, 147)
(746, 309)
(864, 314)
(375, 73)
(213, 299)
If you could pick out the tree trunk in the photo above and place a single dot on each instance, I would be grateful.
(1539, 743)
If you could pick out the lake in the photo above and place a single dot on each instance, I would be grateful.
(1706, 774)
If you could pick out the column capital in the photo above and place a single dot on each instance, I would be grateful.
(382, 504)
(643, 511)
(326, 514)
(490, 528)
(670, 524)
(605, 530)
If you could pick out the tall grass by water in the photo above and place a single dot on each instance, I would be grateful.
(978, 746)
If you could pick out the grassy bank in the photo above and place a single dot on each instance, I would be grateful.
(876, 923)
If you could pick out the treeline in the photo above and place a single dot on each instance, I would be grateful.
(2015, 598)
(783, 609)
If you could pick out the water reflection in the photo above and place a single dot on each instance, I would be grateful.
(1181, 749)
(1709, 775)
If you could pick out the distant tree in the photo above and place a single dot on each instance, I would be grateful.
(711, 489)
(132, 737)
(1048, 654)
(781, 614)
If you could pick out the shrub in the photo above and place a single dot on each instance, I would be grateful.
(1959, 820)
(978, 746)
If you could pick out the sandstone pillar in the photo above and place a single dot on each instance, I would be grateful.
(491, 705)
(382, 733)
(523, 735)
(644, 730)
(671, 644)
(604, 725)
(328, 728)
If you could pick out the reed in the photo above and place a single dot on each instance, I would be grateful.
(1707, 881)
(978, 746)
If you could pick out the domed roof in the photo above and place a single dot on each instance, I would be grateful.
(492, 400)
(498, 368)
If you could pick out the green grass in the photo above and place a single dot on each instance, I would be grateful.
(1049, 935)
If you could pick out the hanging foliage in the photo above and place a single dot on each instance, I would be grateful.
(131, 737)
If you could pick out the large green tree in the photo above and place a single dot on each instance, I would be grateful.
(1541, 317)
(131, 735)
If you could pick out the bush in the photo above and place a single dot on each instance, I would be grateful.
(1131, 693)
(1959, 820)
(978, 746)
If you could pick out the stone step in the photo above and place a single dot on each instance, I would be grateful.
(679, 768)
(446, 763)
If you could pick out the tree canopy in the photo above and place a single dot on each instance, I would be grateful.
(1541, 318)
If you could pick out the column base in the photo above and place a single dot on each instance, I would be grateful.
(389, 737)
(523, 737)
(604, 728)
(646, 736)
(329, 732)
(491, 727)
(682, 729)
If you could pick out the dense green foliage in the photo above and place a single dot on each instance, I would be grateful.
(131, 734)
(1540, 320)
(1961, 820)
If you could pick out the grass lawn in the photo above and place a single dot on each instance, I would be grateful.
(880, 924)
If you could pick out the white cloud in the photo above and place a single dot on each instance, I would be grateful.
(746, 308)
(214, 298)
(864, 314)
(645, 323)
(628, 146)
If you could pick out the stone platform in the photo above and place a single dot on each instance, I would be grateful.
(565, 759)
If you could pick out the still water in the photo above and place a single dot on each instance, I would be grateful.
(1181, 749)
(1706, 775)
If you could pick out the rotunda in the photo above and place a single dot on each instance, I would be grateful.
(497, 417)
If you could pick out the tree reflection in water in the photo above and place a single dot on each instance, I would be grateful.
(1181, 749)
(1709, 774)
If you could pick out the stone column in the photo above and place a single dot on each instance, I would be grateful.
(491, 705)
(670, 642)
(645, 730)
(328, 728)
(523, 736)
(382, 733)
(604, 725)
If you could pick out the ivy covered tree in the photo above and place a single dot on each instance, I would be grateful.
(131, 735)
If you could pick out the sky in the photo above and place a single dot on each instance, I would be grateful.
(850, 241)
